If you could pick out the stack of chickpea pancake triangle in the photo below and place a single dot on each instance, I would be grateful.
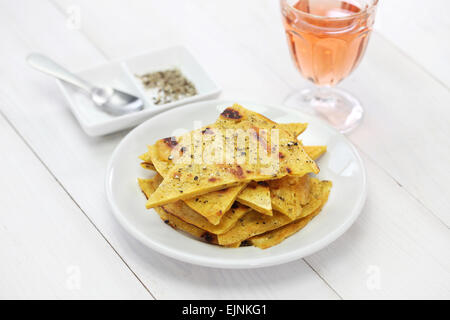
(242, 180)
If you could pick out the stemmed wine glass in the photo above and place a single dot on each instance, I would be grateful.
(327, 40)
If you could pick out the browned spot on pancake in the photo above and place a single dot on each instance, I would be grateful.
(231, 113)
(238, 172)
(262, 141)
(219, 213)
(176, 175)
(207, 131)
(212, 179)
(170, 141)
(246, 243)
(288, 170)
(281, 155)
(147, 165)
(208, 237)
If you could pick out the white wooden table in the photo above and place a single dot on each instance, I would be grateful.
(58, 238)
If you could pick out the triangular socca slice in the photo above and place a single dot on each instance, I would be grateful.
(263, 199)
(212, 205)
(295, 128)
(191, 178)
(257, 196)
(274, 237)
(182, 211)
(315, 152)
(215, 204)
(254, 223)
(290, 194)
(148, 186)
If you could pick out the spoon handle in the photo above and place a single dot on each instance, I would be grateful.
(46, 65)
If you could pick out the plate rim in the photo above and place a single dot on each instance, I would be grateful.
(221, 262)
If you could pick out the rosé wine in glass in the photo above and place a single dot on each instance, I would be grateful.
(327, 39)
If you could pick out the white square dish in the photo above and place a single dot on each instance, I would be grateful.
(121, 74)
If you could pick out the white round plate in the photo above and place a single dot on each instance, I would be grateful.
(341, 164)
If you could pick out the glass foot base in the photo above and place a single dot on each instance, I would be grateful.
(341, 110)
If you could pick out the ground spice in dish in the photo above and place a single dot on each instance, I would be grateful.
(167, 85)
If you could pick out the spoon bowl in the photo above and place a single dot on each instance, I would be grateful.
(114, 101)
